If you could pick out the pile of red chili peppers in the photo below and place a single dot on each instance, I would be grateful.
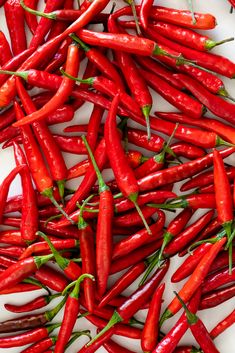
(87, 53)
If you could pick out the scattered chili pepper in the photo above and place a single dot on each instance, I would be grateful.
(37, 303)
(223, 325)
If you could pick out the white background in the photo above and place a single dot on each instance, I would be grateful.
(226, 342)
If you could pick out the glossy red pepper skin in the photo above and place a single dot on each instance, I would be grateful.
(133, 218)
(221, 262)
(218, 279)
(30, 19)
(139, 138)
(12, 237)
(150, 333)
(167, 176)
(36, 303)
(41, 346)
(217, 297)
(223, 325)
(14, 14)
(145, 10)
(6, 54)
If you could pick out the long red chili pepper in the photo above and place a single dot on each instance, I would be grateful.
(149, 336)
(195, 279)
(5, 54)
(134, 302)
(30, 19)
(72, 307)
(37, 303)
(221, 261)
(199, 330)
(113, 347)
(12, 237)
(217, 297)
(51, 151)
(139, 138)
(223, 325)
(104, 228)
(29, 211)
(218, 279)
(87, 250)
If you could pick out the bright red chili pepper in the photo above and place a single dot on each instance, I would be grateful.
(113, 347)
(218, 279)
(139, 138)
(30, 19)
(221, 262)
(149, 336)
(37, 303)
(217, 297)
(223, 325)
(5, 51)
(199, 330)
(12, 237)
(195, 279)
(41, 346)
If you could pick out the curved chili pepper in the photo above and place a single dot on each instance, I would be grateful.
(195, 279)
(135, 241)
(49, 147)
(139, 138)
(223, 325)
(27, 337)
(87, 250)
(145, 9)
(198, 330)
(113, 347)
(72, 307)
(122, 283)
(187, 37)
(12, 237)
(135, 301)
(186, 150)
(217, 297)
(70, 268)
(63, 92)
(188, 266)
(167, 176)
(37, 303)
(6, 54)
(13, 251)
(15, 23)
(29, 211)
(41, 346)
(149, 336)
(19, 288)
(180, 100)
(218, 279)
(133, 218)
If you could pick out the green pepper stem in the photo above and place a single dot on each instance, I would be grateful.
(49, 193)
(52, 327)
(50, 314)
(165, 316)
(146, 111)
(190, 4)
(76, 285)
(81, 221)
(116, 318)
(89, 81)
(133, 9)
(84, 46)
(50, 15)
(76, 335)
(37, 283)
(192, 318)
(22, 74)
(167, 237)
(102, 185)
(210, 44)
(153, 262)
(60, 184)
(138, 209)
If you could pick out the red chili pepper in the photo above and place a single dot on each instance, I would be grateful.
(186, 349)
(30, 19)
(27, 337)
(217, 297)
(135, 241)
(87, 250)
(149, 336)
(122, 283)
(41, 346)
(13, 251)
(187, 37)
(133, 218)
(139, 138)
(70, 268)
(12, 237)
(14, 14)
(29, 210)
(188, 266)
(198, 330)
(135, 301)
(145, 10)
(72, 307)
(195, 279)
(20, 288)
(173, 174)
(180, 100)
(37, 303)
(221, 261)
(6, 54)
(49, 147)
(186, 150)
(113, 347)
(63, 92)
(218, 279)
(223, 325)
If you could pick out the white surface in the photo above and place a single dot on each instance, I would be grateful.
(226, 342)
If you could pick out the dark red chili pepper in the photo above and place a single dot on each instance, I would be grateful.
(5, 51)
(223, 325)
(70, 268)
(70, 144)
(224, 202)
(12, 251)
(29, 210)
(27, 337)
(194, 201)
(217, 297)
(104, 228)
(63, 92)
(50, 149)
(186, 150)
(221, 261)
(173, 174)
(187, 37)
(135, 241)
(19, 288)
(188, 266)
(37, 303)
(14, 14)
(186, 349)
(133, 218)
(72, 307)
(186, 236)
(135, 301)
(198, 330)
(122, 283)
(87, 250)
(113, 347)
(149, 336)
(180, 100)
(12, 237)
(218, 279)
(195, 279)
